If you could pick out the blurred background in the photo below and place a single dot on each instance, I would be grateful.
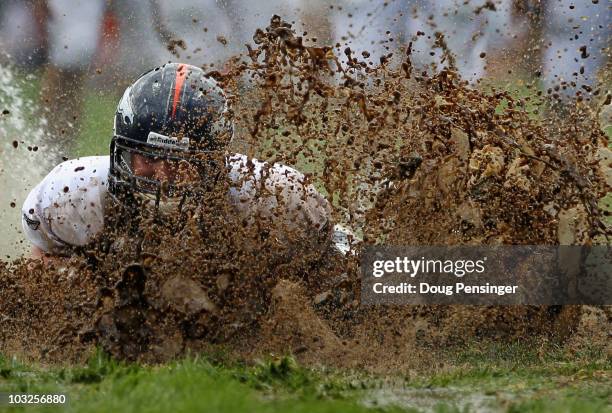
(65, 63)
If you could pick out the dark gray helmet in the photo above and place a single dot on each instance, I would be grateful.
(174, 113)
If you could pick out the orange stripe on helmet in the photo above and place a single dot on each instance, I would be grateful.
(181, 74)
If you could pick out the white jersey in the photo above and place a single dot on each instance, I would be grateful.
(67, 208)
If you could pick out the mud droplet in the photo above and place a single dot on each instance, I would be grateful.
(583, 52)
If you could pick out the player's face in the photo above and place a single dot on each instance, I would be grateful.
(163, 170)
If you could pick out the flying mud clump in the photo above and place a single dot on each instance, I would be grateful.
(405, 157)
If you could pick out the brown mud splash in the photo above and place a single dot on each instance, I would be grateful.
(406, 158)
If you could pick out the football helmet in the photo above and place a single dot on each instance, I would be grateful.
(173, 114)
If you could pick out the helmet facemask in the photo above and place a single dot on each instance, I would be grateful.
(174, 174)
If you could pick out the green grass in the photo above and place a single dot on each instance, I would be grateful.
(97, 126)
(518, 377)
(191, 384)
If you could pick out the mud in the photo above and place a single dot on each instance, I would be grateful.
(406, 157)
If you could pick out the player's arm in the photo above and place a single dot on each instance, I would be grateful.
(282, 194)
(34, 229)
(301, 204)
(38, 254)
(66, 208)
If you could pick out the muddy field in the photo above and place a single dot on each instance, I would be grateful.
(407, 157)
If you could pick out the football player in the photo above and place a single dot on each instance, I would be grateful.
(170, 140)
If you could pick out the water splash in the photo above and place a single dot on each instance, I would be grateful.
(24, 158)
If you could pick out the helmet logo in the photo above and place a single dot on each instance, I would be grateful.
(170, 142)
(125, 106)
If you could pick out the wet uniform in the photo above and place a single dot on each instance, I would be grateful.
(67, 208)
